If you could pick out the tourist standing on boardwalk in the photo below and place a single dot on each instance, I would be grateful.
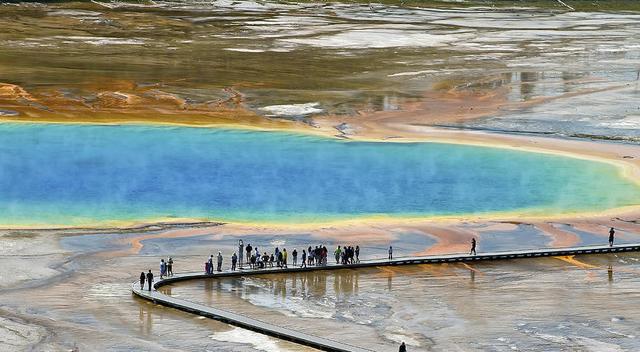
(325, 254)
(234, 261)
(279, 256)
(304, 259)
(357, 254)
(403, 348)
(347, 255)
(163, 268)
(612, 234)
(149, 279)
(170, 267)
(249, 252)
(210, 265)
(337, 255)
(142, 280)
(284, 257)
(390, 252)
(240, 252)
(473, 247)
(219, 261)
(294, 254)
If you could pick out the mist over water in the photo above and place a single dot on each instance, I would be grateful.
(74, 174)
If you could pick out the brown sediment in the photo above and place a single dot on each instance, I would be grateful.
(449, 239)
(13, 92)
(558, 237)
(136, 245)
(355, 234)
(118, 102)
(434, 107)
(595, 228)
(545, 99)
(499, 226)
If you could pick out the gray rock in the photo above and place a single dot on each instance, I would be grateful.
(8, 113)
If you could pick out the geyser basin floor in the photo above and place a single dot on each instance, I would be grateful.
(77, 174)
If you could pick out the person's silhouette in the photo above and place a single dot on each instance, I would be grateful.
(149, 279)
(403, 348)
(612, 234)
(142, 280)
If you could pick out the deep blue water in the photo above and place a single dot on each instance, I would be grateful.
(79, 174)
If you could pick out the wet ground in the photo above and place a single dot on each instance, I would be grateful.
(76, 292)
(582, 303)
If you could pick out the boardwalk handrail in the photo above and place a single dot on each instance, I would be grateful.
(321, 342)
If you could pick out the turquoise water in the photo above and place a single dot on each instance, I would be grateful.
(79, 174)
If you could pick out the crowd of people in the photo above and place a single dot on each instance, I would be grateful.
(280, 258)
(310, 256)
(208, 265)
(255, 259)
(166, 267)
(166, 270)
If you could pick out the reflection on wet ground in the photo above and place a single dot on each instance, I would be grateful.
(573, 73)
(541, 304)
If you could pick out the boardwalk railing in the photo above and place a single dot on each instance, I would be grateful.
(322, 343)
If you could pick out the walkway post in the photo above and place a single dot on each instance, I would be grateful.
(240, 252)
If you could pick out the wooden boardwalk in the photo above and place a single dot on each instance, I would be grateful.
(324, 343)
